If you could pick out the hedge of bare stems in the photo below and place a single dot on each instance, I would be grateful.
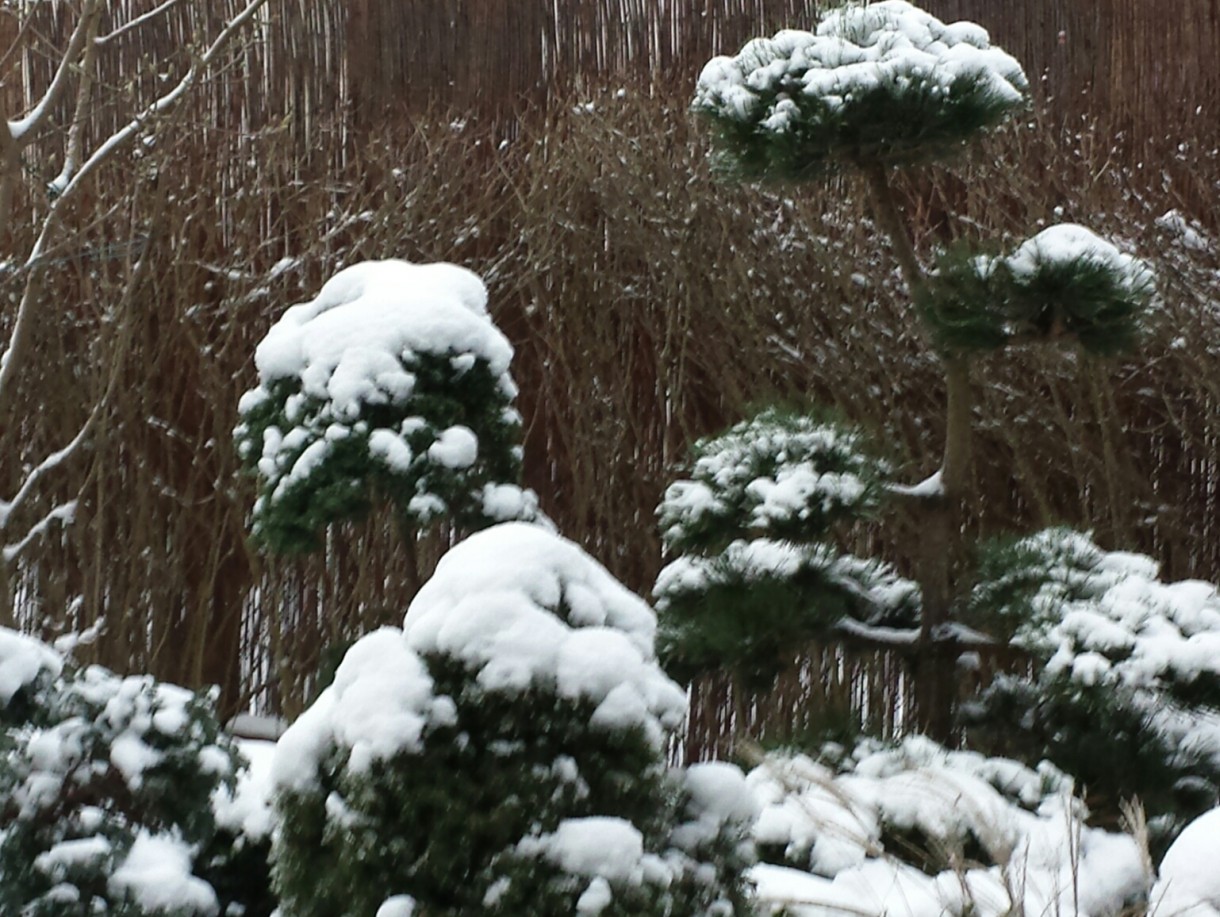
(649, 304)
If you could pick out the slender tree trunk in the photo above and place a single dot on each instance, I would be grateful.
(938, 512)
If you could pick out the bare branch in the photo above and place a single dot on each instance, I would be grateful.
(23, 129)
(136, 23)
(64, 513)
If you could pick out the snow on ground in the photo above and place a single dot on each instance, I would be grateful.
(1189, 881)
(834, 822)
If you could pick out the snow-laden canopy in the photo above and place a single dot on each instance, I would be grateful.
(777, 474)
(1005, 836)
(523, 607)
(393, 379)
(22, 660)
(1105, 617)
(886, 82)
(349, 344)
(1066, 282)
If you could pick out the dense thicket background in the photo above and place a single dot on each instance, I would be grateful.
(547, 146)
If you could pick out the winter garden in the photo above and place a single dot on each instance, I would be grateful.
(513, 743)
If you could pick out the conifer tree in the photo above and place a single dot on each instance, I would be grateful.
(391, 385)
(874, 91)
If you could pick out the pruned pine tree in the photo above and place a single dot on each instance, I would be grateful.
(756, 574)
(391, 385)
(885, 87)
(1125, 692)
(504, 753)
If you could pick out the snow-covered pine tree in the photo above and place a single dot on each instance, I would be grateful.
(756, 574)
(108, 785)
(504, 753)
(884, 87)
(391, 385)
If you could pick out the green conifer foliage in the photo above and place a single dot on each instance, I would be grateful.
(103, 776)
(1127, 669)
(755, 574)
(503, 754)
(392, 385)
(1065, 284)
(878, 85)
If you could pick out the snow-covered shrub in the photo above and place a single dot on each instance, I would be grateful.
(1126, 694)
(755, 576)
(502, 753)
(236, 862)
(918, 829)
(875, 85)
(392, 384)
(1064, 283)
(107, 785)
(751, 606)
(778, 475)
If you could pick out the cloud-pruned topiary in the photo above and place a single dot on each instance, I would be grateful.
(1065, 284)
(883, 84)
(504, 753)
(392, 384)
(755, 574)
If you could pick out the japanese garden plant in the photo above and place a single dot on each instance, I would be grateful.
(504, 753)
(110, 785)
(390, 387)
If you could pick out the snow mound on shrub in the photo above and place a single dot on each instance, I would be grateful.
(523, 607)
(22, 660)
(1070, 243)
(830, 826)
(347, 345)
(855, 51)
(378, 705)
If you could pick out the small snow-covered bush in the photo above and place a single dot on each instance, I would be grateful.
(107, 785)
(504, 753)
(392, 384)
(755, 575)
(918, 829)
(883, 84)
(1127, 691)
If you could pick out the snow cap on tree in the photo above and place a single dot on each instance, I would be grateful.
(880, 84)
(521, 717)
(1127, 692)
(1065, 283)
(392, 383)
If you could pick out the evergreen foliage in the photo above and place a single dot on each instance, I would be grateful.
(391, 385)
(102, 775)
(486, 779)
(884, 84)
(779, 474)
(350, 471)
(1084, 292)
(1124, 665)
(750, 607)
